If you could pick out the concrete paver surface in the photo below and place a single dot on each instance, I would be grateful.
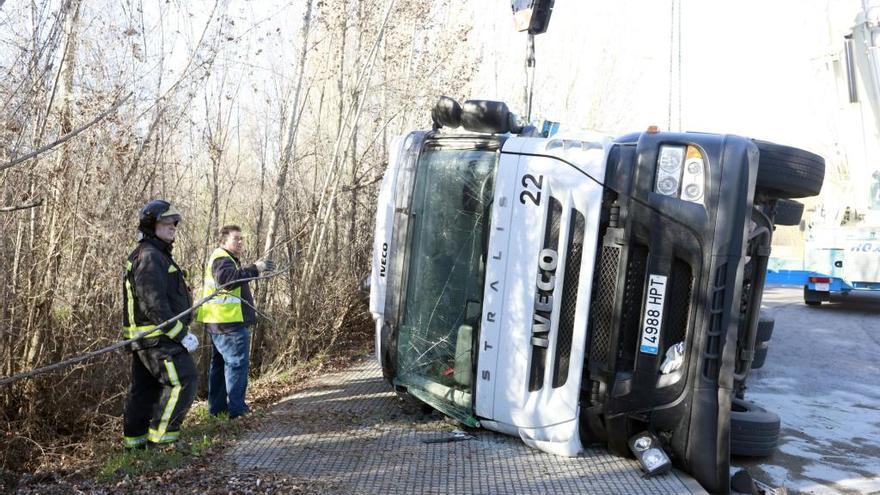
(822, 377)
(348, 431)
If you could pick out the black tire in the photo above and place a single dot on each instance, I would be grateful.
(786, 172)
(754, 431)
(788, 212)
(760, 355)
(814, 298)
(765, 329)
(387, 353)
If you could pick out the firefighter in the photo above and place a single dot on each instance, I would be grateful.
(163, 375)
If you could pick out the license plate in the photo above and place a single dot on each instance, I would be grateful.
(652, 318)
(823, 287)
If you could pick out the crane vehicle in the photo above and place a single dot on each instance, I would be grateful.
(842, 236)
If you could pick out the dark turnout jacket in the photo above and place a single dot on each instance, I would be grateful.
(158, 291)
(226, 270)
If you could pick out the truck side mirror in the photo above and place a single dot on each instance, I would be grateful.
(491, 117)
(446, 113)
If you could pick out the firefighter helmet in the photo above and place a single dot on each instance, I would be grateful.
(153, 211)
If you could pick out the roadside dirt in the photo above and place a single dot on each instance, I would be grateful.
(76, 472)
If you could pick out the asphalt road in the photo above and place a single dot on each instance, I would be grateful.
(822, 377)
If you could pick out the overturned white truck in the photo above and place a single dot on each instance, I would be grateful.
(534, 284)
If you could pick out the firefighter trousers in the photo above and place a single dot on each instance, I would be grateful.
(163, 387)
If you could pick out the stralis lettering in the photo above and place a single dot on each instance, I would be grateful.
(383, 260)
(547, 262)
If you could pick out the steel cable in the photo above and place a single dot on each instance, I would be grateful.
(89, 355)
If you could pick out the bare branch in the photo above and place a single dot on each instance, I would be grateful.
(23, 206)
(67, 136)
(165, 324)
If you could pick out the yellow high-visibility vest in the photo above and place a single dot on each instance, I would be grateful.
(225, 307)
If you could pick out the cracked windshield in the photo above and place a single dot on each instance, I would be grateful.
(451, 205)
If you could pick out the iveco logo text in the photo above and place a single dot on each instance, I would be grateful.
(383, 260)
(544, 298)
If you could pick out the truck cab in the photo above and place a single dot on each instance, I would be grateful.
(572, 289)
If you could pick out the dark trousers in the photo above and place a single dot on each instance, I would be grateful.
(163, 387)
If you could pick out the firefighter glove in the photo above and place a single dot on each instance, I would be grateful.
(191, 342)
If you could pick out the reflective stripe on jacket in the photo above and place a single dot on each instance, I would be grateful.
(153, 290)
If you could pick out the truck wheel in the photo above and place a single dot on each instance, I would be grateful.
(788, 212)
(761, 349)
(812, 297)
(765, 329)
(385, 358)
(786, 172)
(754, 431)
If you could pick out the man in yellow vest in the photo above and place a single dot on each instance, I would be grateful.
(227, 317)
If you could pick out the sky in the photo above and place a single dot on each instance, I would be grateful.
(749, 67)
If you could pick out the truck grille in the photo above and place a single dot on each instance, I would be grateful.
(631, 310)
(602, 307)
(712, 352)
(681, 288)
(551, 241)
(569, 298)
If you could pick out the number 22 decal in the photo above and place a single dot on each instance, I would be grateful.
(535, 197)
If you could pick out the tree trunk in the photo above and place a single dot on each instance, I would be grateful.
(287, 157)
(41, 318)
(351, 243)
(331, 182)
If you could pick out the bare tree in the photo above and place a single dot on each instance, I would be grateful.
(107, 105)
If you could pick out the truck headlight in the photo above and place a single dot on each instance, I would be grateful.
(681, 173)
(693, 181)
(649, 452)
(669, 166)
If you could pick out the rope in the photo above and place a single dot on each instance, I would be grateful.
(675, 57)
(530, 75)
(678, 86)
(671, 70)
(85, 357)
